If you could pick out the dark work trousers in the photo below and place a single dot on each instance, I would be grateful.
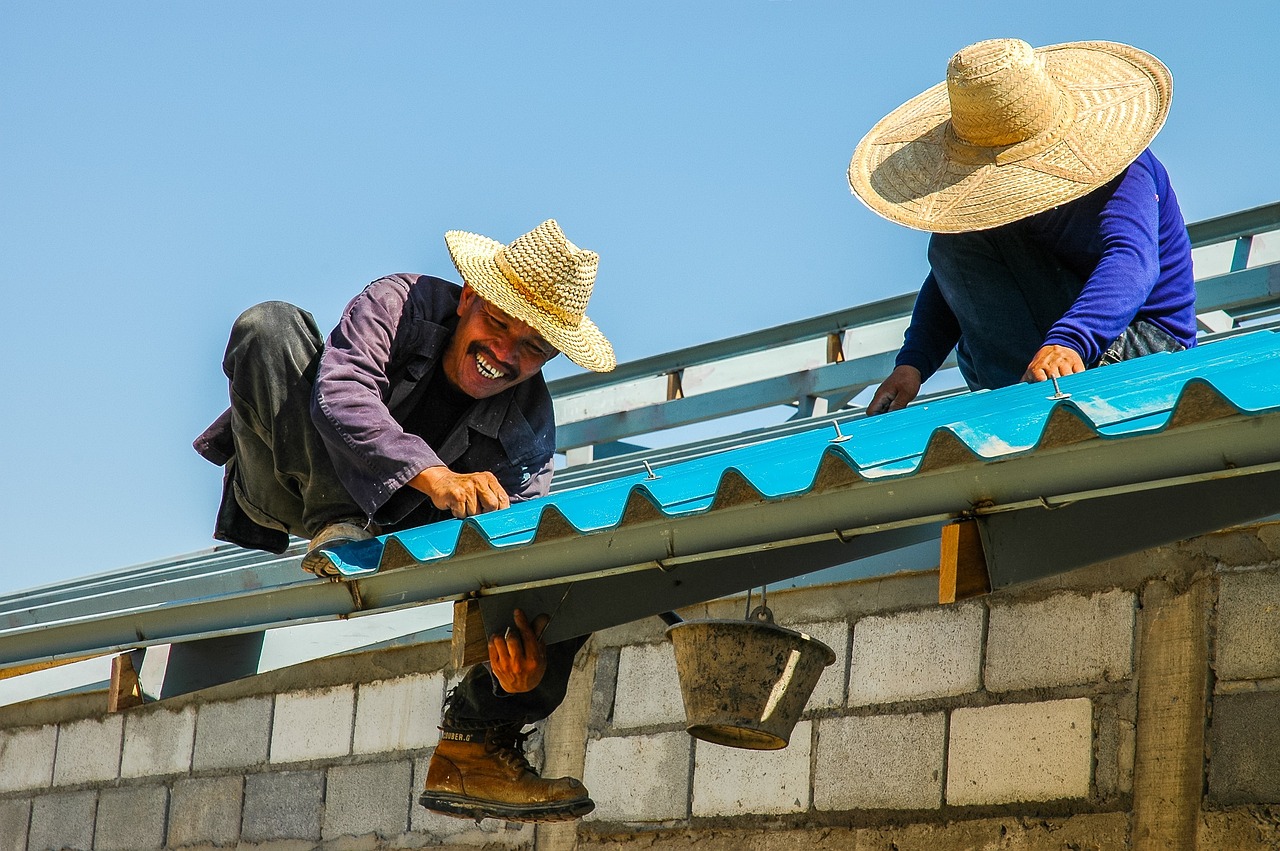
(284, 480)
(477, 703)
(1006, 293)
(282, 476)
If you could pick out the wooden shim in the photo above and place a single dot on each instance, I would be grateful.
(470, 642)
(124, 692)
(962, 567)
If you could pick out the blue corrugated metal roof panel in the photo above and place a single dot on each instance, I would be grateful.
(1240, 375)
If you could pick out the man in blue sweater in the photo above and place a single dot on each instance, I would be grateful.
(1057, 243)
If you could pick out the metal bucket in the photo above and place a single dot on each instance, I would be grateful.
(745, 683)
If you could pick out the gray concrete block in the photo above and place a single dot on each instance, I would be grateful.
(313, 724)
(830, 690)
(648, 690)
(1020, 752)
(398, 715)
(1068, 639)
(26, 758)
(639, 778)
(916, 655)
(131, 818)
(283, 805)
(88, 751)
(158, 742)
(733, 781)
(880, 762)
(232, 734)
(368, 798)
(15, 818)
(1248, 640)
(205, 810)
(63, 820)
(1244, 749)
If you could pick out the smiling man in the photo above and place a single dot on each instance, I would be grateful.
(425, 402)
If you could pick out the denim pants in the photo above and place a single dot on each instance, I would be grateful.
(1006, 293)
(281, 475)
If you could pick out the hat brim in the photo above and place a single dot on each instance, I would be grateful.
(475, 258)
(904, 169)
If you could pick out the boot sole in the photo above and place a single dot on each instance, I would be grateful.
(460, 806)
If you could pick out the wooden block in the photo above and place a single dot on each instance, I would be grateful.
(470, 642)
(124, 692)
(962, 568)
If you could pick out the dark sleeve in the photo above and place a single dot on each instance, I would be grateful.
(1129, 229)
(373, 455)
(933, 331)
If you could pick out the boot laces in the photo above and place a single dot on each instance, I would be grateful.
(508, 745)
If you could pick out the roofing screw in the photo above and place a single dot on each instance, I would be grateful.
(840, 437)
(1057, 392)
(652, 475)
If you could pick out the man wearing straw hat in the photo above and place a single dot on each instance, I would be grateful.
(425, 402)
(1057, 243)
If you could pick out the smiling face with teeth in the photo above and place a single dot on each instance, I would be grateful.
(491, 350)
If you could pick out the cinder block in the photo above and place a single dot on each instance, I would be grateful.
(1244, 750)
(158, 742)
(639, 778)
(1248, 623)
(232, 734)
(399, 715)
(916, 655)
(830, 690)
(131, 818)
(368, 798)
(15, 818)
(205, 811)
(880, 762)
(1020, 752)
(26, 758)
(313, 724)
(648, 687)
(283, 805)
(733, 781)
(88, 751)
(63, 820)
(1067, 639)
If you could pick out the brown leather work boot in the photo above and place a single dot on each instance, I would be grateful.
(484, 774)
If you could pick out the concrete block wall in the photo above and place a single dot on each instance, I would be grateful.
(1019, 720)
(945, 707)
(297, 769)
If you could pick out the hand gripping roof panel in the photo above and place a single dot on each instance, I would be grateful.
(1149, 395)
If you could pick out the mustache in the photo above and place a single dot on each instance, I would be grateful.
(477, 349)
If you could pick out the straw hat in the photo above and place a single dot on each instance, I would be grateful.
(542, 279)
(1012, 132)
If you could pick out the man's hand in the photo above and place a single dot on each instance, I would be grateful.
(902, 385)
(519, 659)
(1053, 362)
(463, 494)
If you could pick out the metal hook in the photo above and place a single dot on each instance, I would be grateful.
(652, 475)
(1057, 392)
(840, 437)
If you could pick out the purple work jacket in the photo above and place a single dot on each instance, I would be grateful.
(374, 371)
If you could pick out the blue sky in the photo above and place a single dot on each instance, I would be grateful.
(165, 165)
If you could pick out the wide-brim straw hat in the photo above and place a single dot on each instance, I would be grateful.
(541, 279)
(1012, 132)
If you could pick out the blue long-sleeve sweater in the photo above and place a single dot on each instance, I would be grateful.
(1126, 239)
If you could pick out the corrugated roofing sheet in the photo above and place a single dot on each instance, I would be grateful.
(1240, 375)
